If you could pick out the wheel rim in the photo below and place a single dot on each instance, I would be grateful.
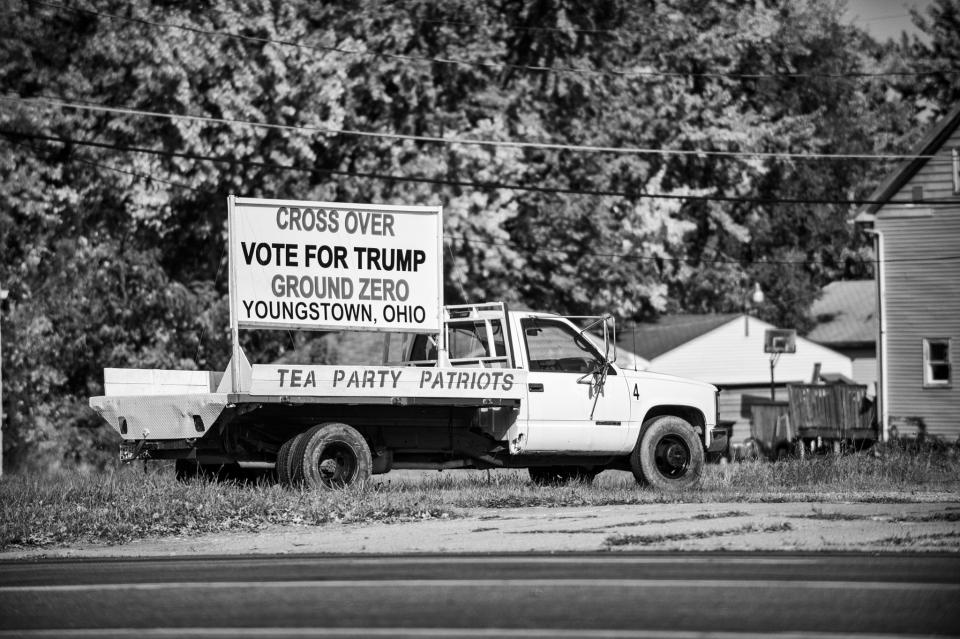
(672, 457)
(337, 465)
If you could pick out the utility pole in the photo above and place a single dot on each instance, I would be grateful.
(3, 296)
(757, 298)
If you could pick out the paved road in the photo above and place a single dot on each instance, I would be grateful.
(595, 595)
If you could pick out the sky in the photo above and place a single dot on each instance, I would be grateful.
(885, 19)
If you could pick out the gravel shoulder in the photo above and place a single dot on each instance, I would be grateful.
(927, 525)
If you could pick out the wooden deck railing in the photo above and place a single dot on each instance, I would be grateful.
(835, 411)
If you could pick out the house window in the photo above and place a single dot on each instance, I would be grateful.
(936, 362)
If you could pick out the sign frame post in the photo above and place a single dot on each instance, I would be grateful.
(235, 351)
(3, 296)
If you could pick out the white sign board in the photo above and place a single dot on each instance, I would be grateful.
(326, 265)
(388, 381)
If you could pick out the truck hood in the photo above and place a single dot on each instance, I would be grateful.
(665, 378)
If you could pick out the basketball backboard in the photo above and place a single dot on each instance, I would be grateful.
(780, 340)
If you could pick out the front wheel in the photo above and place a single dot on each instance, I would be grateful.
(669, 456)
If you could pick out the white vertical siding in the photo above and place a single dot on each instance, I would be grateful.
(923, 300)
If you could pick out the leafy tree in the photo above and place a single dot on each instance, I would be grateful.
(112, 224)
(937, 55)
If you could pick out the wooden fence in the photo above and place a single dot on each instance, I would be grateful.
(835, 411)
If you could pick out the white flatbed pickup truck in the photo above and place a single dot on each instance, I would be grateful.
(513, 389)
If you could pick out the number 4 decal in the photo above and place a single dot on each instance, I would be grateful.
(636, 392)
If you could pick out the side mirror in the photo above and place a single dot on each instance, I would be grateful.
(609, 335)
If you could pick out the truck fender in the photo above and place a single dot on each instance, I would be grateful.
(690, 414)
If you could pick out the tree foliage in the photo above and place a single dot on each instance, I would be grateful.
(937, 54)
(112, 224)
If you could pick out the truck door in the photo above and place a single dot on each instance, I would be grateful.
(560, 392)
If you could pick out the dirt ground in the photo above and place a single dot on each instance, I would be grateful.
(933, 525)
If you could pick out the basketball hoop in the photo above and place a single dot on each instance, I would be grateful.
(778, 341)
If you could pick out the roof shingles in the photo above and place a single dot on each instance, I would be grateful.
(846, 314)
(652, 340)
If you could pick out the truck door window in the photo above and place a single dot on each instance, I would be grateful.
(555, 347)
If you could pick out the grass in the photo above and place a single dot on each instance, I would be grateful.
(133, 503)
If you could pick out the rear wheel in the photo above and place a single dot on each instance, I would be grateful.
(669, 456)
(283, 462)
(295, 458)
(334, 455)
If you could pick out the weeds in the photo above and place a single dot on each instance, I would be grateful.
(132, 503)
(947, 539)
(819, 514)
(646, 540)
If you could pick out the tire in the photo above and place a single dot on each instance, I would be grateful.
(283, 462)
(559, 475)
(334, 455)
(295, 458)
(669, 455)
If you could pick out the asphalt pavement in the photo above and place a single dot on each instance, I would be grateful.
(673, 595)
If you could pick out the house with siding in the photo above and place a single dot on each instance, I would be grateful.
(847, 322)
(915, 220)
(726, 350)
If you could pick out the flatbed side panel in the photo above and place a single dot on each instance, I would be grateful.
(373, 400)
(146, 381)
(161, 416)
(390, 381)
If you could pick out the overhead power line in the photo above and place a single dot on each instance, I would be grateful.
(430, 139)
(889, 16)
(638, 195)
(725, 260)
(622, 73)
(100, 165)
(658, 259)
(517, 27)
